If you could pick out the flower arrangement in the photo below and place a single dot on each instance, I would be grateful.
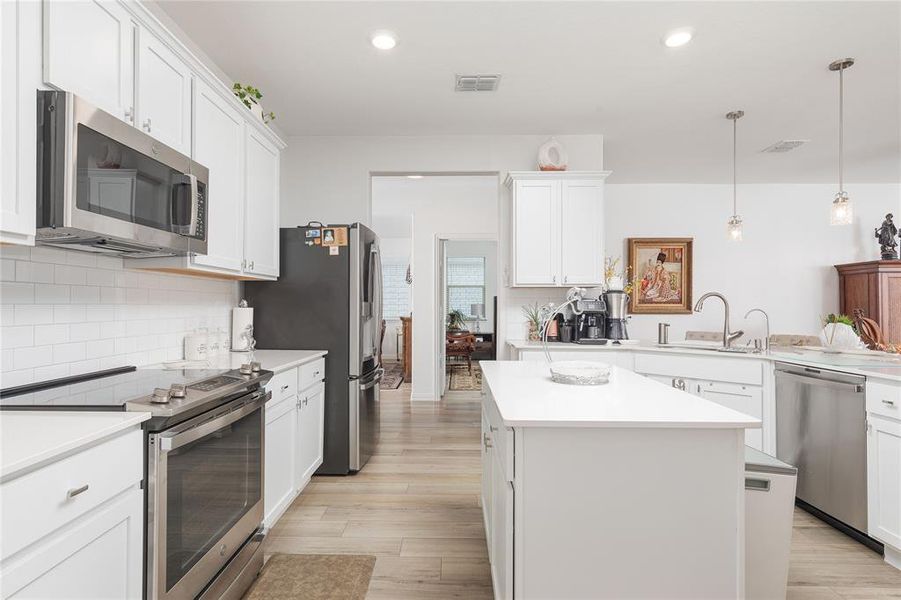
(456, 321)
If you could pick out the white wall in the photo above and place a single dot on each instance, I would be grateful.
(488, 251)
(785, 263)
(66, 313)
(327, 177)
(452, 207)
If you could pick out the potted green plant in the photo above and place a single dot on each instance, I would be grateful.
(250, 97)
(456, 321)
(534, 320)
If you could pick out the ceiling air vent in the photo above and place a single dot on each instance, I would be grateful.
(783, 146)
(477, 83)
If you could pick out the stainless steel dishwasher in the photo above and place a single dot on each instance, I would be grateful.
(821, 425)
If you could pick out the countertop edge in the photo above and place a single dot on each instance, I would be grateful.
(801, 361)
(70, 446)
(297, 362)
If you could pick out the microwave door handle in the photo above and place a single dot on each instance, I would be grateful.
(195, 200)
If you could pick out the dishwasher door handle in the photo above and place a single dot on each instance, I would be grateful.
(856, 388)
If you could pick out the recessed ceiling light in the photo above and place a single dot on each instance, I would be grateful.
(678, 37)
(414, 176)
(384, 40)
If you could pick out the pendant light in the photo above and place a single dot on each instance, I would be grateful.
(842, 210)
(733, 225)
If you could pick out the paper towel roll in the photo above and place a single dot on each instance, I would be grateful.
(242, 324)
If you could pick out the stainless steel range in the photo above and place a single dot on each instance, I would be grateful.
(203, 469)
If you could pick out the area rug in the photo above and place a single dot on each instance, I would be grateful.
(313, 577)
(461, 380)
(392, 377)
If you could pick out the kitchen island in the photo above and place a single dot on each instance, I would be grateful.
(630, 489)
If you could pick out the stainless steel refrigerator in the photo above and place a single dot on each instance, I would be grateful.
(329, 297)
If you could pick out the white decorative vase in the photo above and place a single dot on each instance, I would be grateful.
(552, 156)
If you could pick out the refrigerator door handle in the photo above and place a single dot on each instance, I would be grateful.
(374, 381)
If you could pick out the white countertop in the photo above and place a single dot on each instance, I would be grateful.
(526, 397)
(270, 360)
(29, 439)
(877, 365)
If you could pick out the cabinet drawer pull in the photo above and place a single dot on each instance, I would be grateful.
(487, 441)
(75, 491)
(492, 428)
(759, 485)
(889, 402)
(284, 387)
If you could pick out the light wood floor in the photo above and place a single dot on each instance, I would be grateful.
(415, 507)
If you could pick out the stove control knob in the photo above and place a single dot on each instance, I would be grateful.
(178, 390)
(255, 367)
(160, 396)
(246, 369)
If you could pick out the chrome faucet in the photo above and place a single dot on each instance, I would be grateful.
(727, 336)
(766, 341)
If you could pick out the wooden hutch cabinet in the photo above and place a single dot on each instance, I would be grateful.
(875, 287)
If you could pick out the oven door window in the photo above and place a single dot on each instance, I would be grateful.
(120, 182)
(211, 483)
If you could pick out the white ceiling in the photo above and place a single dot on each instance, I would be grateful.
(582, 67)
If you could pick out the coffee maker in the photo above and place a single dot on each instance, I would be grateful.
(590, 322)
(615, 324)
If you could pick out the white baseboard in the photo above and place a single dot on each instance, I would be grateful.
(893, 556)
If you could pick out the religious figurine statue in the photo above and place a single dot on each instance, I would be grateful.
(886, 236)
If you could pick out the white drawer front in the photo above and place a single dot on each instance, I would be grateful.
(39, 502)
(311, 373)
(884, 399)
(715, 368)
(283, 385)
(500, 437)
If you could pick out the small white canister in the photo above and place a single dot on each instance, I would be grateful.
(197, 346)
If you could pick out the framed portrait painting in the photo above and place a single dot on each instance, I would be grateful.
(661, 271)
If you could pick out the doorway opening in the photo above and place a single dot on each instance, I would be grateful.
(468, 304)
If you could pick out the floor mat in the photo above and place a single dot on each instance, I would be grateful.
(313, 577)
(392, 377)
(461, 380)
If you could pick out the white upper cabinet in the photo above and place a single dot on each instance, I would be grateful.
(89, 50)
(582, 232)
(535, 230)
(557, 228)
(20, 76)
(219, 146)
(261, 212)
(163, 107)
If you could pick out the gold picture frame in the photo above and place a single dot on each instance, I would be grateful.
(661, 269)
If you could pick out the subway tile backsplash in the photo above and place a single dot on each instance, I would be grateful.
(64, 313)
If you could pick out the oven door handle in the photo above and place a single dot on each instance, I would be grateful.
(171, 441)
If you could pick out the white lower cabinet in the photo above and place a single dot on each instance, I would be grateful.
(884, 481)
(497, 502)
(295, 432)
(746, 399)
(310, 424)
(281, 427)
(75, 528)
(98, 556)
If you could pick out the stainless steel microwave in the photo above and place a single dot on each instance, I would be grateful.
(105, 186)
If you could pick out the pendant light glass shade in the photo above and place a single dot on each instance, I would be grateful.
(842, 212)
(733, 225)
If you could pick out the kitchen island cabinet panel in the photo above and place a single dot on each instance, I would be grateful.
(884, 482)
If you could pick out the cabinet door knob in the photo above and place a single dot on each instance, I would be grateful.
(487, 441)
(130, 114)
(565, 278)
(75, 491)
(554, 279)
(147, 124)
